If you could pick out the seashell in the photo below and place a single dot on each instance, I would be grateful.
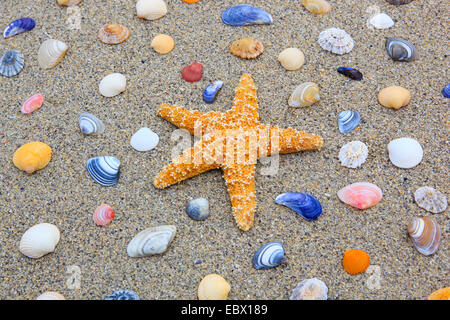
(198, 209)
(405, 152)
(336, 40)
(39, 240)
(304, 95)
(247, 48)
(113, 33)
(446, 91)
(51, 295)
(430, 199)
(163, 43)
(151, 241)
(69, 3)
(112, 85)
(348, 120)
(245, 15)
(90, 124)
(381, 21)
(269, 255)
(144, 140)
(151, 9)
(32, 104)
(351, 73)
(361, 195)
(440, 294)
(192, 73)
(355, 261)
(317, 6)
(400, 50)
(399, 2)
(104, 170)
(425, 234)
(11, 63)
(19, 26)
(103, 215)
(291, 59)
(32, 156)
(123, 295)
(213, 287)
(304, 204)
(211, 91)
(191, 1)
(394, 97)
(310, 289)
(51, 52)
(353, 154)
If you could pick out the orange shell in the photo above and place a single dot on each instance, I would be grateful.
(162, 43)
(191, 1)
(355, 261)
(32, 156)
(441, 294)
(113, 34)
(247, 48)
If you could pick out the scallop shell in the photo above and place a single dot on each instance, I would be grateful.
(245, 15)
(317, 6)
(32, 156)
(90, 124)
(213, 287)
(400, 49)
(304, 95)
(310, 289)
(381, 21)
(269, 255)
(399, 2)
(112, 85)
(247, 48)
(430, 199)
(19, 26)
(113, 33)
(361, 195)
(11, 63)
(51, 295)
(39, 240)
(104, 170)
(425, 234)
(162, 43)
(51, 52)
(336, 40)
(394, 97)
(353, 154)
(198, 209)
(304, 204)
(103, 215)
(69, 3)
(32, 104)
(211, 91)
(151, 9)
(405, 152)
(123, 295)
(291, 59)
(151, 241)
(348, 120)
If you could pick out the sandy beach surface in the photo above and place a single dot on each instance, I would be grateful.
(64, 194)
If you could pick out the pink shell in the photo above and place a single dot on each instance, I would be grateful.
(32, 103)
(103, 215)
(361, 195)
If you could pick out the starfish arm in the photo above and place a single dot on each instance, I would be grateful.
(245, 103)
(180, 116)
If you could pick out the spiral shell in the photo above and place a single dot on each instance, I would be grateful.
(310, 289)
(90, 124)
(430, 199)
(353, 154)
(400, 49)
(39, 240)
(361, 195)
(425, 234)
(317, 6)
(151, 9)
(269, 255)
(69, 3)
(336, 40)
(32, 104)
(247, 48)
(198, 209)
(113, 33)
(11, 63)
(151, 241)
(103, 215)
(51, 52)
(51, 295)
(213, 287)
(32, 156)
(304, 95)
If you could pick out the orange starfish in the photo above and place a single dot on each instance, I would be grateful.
(232, 141)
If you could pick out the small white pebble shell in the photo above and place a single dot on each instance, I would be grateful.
(291, 59)
(430, 199)
(39, 240)
(310, 289)
(151, 9)
(381, 21)
(112, 85)
(51, 295)
(144, 140)
(405, 152)
(353, 154)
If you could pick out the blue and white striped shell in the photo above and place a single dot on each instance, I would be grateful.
(104, 170)
(245, 15)
(348, 120)
(269, 255)
(11, 63)
(210, 93)
(198, 209)
(446, 91)
(19, 26)
(304, 204)
(400, 49)
(123, 295)
(90, 124)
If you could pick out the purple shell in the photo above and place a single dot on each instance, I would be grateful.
(19, 26)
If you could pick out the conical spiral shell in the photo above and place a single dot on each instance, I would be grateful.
(151, 241)
(51, 53)
(425, 234)
(51, 295)
(103, 215)
(304, 95)
(39, 240)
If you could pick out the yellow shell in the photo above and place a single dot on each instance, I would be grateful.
(247, 48)
(162, 43)
(317, 6)
(113, 34)
(440, 294)
(32, 156)
(394, 97)
(213, 287)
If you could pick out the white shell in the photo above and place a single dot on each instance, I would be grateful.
(336, 40)
(381, 21)
(405, 152)
(430, 199)
(51, 295)
(291, 59)
(353, 154)
(304, 95)
(39, 240)
(310, 289)
(151, 241)
(51, 53)
(144, 140)
(151, 9)
(112, 85)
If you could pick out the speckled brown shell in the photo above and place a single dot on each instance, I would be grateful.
(247, 48)
(113, 34)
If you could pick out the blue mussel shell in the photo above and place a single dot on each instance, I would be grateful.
(446, 91)
(269, 255)
(104, 170)
(210, 93)
(19, 26)
(348, 120)
(351, 73)
(304, 204)
(123, 295)
(245, 15)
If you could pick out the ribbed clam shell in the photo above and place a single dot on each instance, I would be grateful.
(151, 9)
(317, 6)
(39, 240)
(399, 2)
(198, 209)
(446, 91)
(310, 289)
(304, 204)
(304, 95)
(11, 63)
(103, 215)
(211, 91)
(361, 195)
(151, 241)
(425, 234)
(32, 104)
(351, 73)
(112, 85)
(381, 21)
(90, 124)
(51, 52)
(247, 48)
(51, 295)
(405, 153)
(336, 40)
(244, 15)
(19, 26)
(123, 295)
(104, 170)
(69, 3)
(348, 120)
(430, 199)
(353, 154)
(269, 255)
(113, 33)
(400, 49)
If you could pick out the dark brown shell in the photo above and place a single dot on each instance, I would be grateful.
(399, 2)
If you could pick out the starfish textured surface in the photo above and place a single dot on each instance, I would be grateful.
(232, 141)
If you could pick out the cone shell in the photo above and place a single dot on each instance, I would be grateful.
(51, 52)
(113, 34)
(162, 43)
(32, 104)
(151, 241)
(304, 95)
(317, 6)
(291, 59)
(69, 3)
(440, 294)
(361, 195)
(394, 97)
(425, 234)
(51, 295)
(112, 85)
(151, 9)
(247, 48)
(32, 156)
(213, 287)
(310, 289)
(39, 240)
(103, 215)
